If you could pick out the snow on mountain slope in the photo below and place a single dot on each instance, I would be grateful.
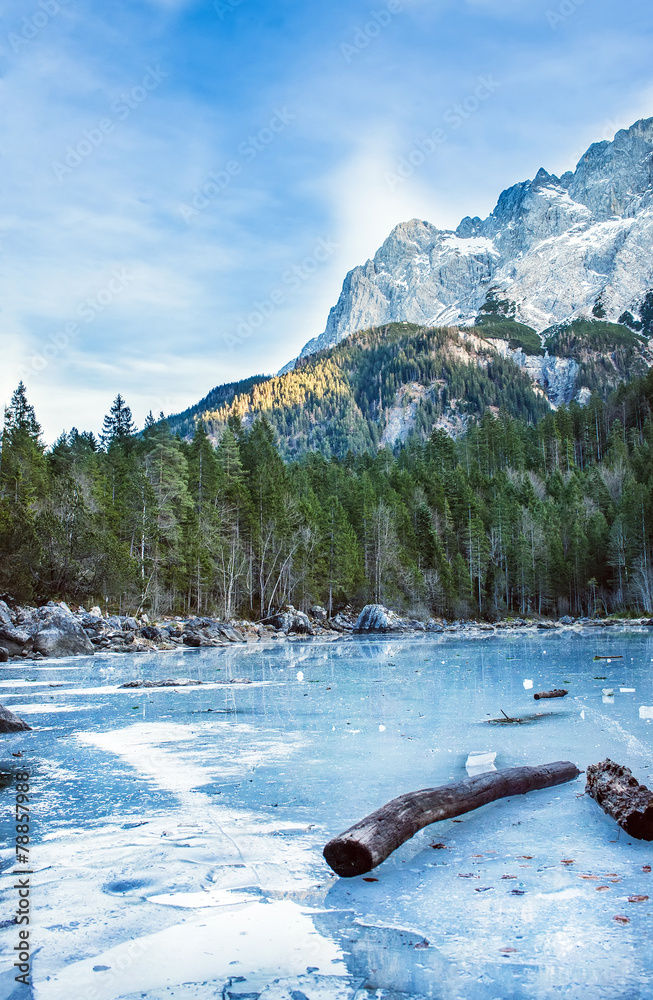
(559, 247)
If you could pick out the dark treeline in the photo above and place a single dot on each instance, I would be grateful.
(548, 518)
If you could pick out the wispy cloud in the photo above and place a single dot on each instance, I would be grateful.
(62, 235)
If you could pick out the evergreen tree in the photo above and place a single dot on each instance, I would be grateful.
(118, 426)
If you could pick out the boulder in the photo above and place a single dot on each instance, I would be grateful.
(290, 620)
(192, 639)
(230, 633)
(376, 618)
(4, 654)
(10, 723)
(341, 623)
(151, 632)
(5, 615)
(14, 635)
(566, 620)
(95, 612)
(318, 613)
(56, 632)
(433, 626)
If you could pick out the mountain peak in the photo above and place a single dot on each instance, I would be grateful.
(559, 248)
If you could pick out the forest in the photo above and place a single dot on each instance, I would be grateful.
(519, 516)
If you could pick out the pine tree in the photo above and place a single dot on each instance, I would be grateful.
(118, 426)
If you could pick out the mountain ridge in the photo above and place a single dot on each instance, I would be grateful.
(380, 387)
(593, 224)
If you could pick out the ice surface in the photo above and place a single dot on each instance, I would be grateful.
(178, 832)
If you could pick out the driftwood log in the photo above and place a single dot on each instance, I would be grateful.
(368, 843)
(622, 797)
(556, 693)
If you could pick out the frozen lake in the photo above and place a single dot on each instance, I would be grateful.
(178, 832)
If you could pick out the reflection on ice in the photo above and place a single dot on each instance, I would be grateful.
(260, 940)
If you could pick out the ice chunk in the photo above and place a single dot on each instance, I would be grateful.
(528, 685)
(313, 987)
(480, 762)
(646, 712)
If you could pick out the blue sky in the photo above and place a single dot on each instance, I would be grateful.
(185, 183)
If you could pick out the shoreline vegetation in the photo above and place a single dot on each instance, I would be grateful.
(54, 630)
(512, 519)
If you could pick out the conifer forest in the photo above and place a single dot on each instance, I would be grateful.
(518, 516)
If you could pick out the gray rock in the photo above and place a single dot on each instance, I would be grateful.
(341, 623)
(376, 618)
(5, 615)
(192, 639)
(56, 632)
(290, 620)
(433, 626)
(230, 633)
(4, 654)
(566, 620)
(17, 636)
(152, 633)
(10, 723)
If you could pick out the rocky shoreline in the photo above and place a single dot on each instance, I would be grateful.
(54, 630)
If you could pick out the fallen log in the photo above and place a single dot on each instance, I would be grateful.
(621, 796)
(522, 720)
(368, 843)
(556, 693)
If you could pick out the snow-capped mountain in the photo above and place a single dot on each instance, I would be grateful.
(558, 247)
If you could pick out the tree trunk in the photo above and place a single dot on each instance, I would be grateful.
(622, 797)
(368, 843)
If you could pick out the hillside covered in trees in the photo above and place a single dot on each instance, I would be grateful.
(397, 382)
(516, 516)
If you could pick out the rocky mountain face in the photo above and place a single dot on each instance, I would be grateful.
(554, 249)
